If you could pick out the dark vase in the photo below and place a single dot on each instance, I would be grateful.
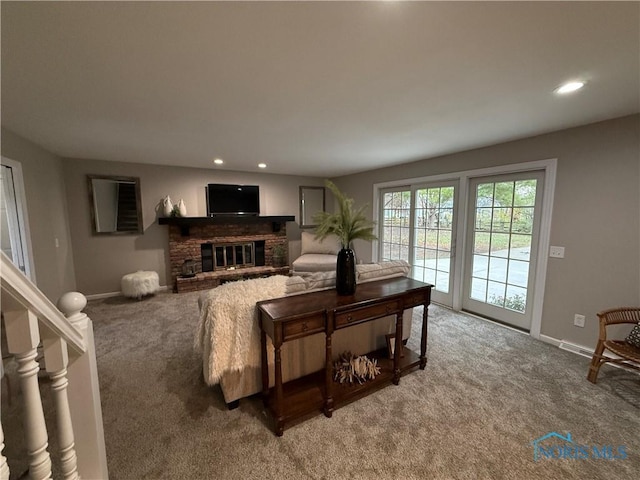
(346, 272)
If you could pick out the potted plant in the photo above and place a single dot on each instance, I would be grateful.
(348, 224)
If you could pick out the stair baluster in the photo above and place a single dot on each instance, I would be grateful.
(57, 359)
(23, 338)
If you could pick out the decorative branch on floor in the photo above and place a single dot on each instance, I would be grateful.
(350, 368)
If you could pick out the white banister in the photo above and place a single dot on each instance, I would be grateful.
(4, 468)
(69, 354)
(23, 338)
(18, 290)
(56, 361)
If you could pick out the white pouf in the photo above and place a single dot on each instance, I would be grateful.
(139, 284)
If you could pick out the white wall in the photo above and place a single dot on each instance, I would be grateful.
(47, 208)
(596, 215)
(102, 260)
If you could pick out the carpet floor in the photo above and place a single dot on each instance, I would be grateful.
(487, 394)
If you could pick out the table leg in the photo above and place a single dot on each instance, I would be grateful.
(328, 379)
(397, 350)
(265, 367)
(279, 394)
(423, 341)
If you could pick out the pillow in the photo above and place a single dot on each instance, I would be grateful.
(310, 244)
(295, 284)
(314, 262)
(383, 269)
(634, 336)
(321, 280)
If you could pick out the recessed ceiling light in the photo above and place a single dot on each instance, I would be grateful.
(569, 87)
(218, 161)
(262, 165)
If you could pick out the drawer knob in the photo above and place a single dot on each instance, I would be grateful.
(349, 318)
(305, 327)
(389, 309)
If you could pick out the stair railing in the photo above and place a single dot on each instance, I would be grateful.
(69, 356)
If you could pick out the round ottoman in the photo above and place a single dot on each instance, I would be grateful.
(139, 284)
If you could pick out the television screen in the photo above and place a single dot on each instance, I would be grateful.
(223, 199)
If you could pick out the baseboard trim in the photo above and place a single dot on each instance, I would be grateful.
(100, 296)
(568, 346)
(550, 340)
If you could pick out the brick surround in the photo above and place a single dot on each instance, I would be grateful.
(187, 246)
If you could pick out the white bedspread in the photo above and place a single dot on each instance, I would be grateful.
(228, 335)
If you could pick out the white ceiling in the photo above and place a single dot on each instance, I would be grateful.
(310, 88)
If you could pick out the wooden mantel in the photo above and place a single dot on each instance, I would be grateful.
(185, 222)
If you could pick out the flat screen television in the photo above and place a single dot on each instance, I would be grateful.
(224, 199)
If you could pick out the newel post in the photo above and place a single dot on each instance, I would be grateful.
(84, 394)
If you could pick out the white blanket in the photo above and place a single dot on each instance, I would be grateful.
(228, 334)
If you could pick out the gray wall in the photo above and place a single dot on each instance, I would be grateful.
(101, 261)
(47, 210)
(596, 215)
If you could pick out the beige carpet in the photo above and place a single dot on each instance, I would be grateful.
(486, 394)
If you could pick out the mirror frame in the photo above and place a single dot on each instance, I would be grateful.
(92, 203)
(307, 212)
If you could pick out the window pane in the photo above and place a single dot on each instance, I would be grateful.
(430, 276)
(516, 299)
(518, 273)
(495, 293)
(498, 269)
(481, 266)
(500, 245)
(442, 282)
(444, 240)
(523, 220)
(483, 219)
(501, 220)
(525, 193)
(478, 289)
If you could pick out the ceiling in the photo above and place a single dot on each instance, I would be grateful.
(309, 88)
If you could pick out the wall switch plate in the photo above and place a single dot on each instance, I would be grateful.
(578, 320)
(556, 252)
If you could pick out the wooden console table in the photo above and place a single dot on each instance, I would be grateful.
(297, 316)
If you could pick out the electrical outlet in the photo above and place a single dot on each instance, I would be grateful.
(578, 320)
(556, 252)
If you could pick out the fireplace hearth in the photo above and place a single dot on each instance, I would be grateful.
(224, 249)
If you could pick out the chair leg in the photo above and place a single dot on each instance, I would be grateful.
(596, 362)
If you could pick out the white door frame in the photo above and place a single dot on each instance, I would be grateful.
(549, 167)
(23, 215)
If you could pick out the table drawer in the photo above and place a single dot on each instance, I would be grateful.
(417, 298)
(303, 327)
(366, 313)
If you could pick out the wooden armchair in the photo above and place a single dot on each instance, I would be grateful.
(629, 354)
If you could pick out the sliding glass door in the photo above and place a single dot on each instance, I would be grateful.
(434, 239)
(418, 227)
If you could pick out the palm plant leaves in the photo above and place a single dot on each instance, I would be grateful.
(347, 223)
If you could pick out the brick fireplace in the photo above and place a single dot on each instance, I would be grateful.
(229, 248)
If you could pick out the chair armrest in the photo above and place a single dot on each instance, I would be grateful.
(620, 315)
(615, 316)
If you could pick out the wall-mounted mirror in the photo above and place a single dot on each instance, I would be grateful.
(311, 202)
(116, 206)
